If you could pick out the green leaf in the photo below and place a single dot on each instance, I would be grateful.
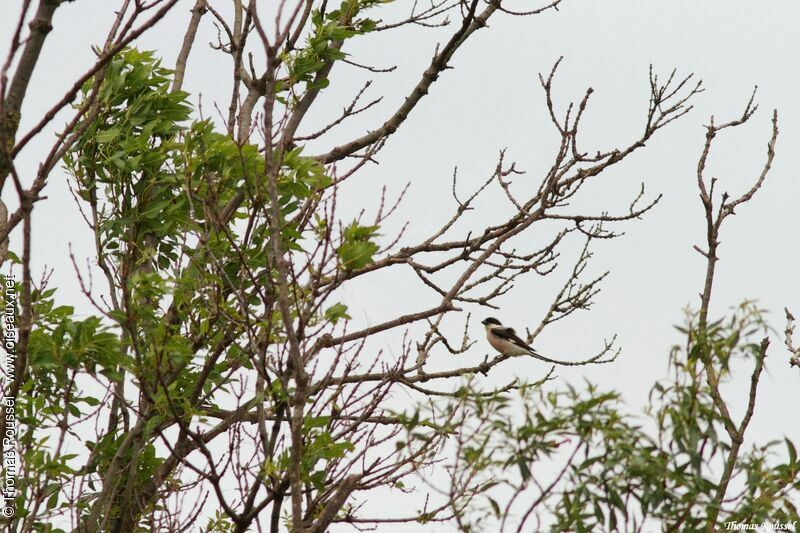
(317, 421)
(523, 469)
(336, 312)
(495, 506)
(792, 451)
(52, 501)
(355, 255)
(357, 247)
(108, 135)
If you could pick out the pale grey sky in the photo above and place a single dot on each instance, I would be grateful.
(492, 100)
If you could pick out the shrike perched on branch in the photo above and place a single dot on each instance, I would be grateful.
(504, 339)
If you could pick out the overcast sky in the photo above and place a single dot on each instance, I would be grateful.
(492, 100)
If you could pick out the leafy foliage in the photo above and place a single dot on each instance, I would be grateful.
(155, 185)
(608, 473)
(128, 150)
(323, 44)
(358, 246)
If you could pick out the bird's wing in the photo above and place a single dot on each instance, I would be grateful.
(511, 336)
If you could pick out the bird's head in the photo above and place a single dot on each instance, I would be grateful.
(490, 321)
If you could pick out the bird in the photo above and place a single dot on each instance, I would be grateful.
(505, 339)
